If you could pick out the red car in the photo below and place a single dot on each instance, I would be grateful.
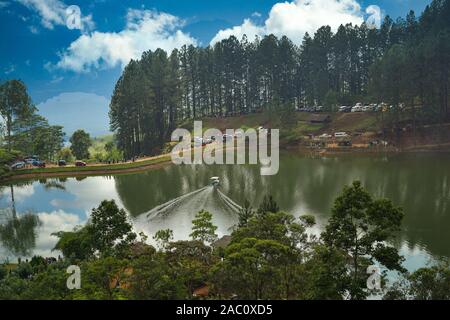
(80, 164)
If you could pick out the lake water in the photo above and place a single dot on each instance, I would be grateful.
(420, 183)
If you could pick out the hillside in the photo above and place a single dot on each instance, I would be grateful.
(362, 128)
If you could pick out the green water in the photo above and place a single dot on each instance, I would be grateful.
(420, 183)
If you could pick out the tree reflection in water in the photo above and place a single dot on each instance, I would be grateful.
(18, 231)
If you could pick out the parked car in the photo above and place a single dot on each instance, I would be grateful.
(326, 136)
(367, 108)
(357, 108)
(345, 109)
(39, 164)
(29, 160)
(319, 109)
(340, 134)
(18, 165)
(62, 163)
(79, 163)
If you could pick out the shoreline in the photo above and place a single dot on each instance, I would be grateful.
(160, 161)
(90, 170)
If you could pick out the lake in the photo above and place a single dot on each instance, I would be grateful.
(420, 183)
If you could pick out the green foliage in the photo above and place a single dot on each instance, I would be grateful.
(268, 205)
(15, 104)
(104, 149)
(245, 214)
(3, 272)
(18, 233)
(152, 279)
(430, 283)
(190, 261)
(80, 143)
(361, 226)
(34, 136)
(108, 232)
(110, 228)
(65, 154)
(270, 256)
(248, 264)
(27, 131)
(6, 159)
(76, 245)
(163, 237)
(202, 227)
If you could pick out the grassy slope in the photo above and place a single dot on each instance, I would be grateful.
(298, 125)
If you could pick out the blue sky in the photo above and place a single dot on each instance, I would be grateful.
(86, 57)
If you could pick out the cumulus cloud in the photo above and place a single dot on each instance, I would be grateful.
(248, 28)
(293, 19)
(55, 12)
(145, 29)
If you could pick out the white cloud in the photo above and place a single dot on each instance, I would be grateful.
(53, 12)
(145, 29)
(248, 28)
(20, 193)
(297, 17)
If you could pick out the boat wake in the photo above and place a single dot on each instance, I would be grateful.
(177, 214)
(208, 198)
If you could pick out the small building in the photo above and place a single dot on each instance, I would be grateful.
(319, 118)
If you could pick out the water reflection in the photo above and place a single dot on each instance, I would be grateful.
(18, 232)
(304, 185)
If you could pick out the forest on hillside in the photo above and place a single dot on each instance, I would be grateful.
(404, 62)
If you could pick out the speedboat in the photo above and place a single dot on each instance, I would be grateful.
(215, 181)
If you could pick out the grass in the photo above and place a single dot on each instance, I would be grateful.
(354, 121)
(248, 121)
